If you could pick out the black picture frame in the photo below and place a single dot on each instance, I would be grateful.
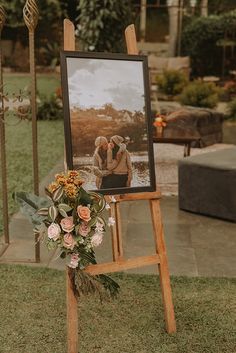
(107, 94)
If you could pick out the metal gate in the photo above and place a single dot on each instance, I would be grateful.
(10, 104)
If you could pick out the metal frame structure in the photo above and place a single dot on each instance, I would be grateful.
(31, 15)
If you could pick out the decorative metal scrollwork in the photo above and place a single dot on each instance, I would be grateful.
(15, 104)
(2, 17)
(31, 14)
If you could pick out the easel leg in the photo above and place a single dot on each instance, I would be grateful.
(163, 266)
(72, 316)
(114, 236)
(119, 230)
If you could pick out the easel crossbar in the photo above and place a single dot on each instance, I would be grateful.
(121, 265)
(155, 195)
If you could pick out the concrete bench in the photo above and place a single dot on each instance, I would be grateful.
(207, 184)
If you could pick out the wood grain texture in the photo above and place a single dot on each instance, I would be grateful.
(69, 35)
(163, 266)
(122, 265)
(131, 41)
(72, 315)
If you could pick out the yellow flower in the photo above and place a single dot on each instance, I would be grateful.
(53, 186)
(73, 174)
(70, 190)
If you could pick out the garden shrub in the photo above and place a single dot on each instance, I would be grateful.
(200, 94)
(231, 110)
(171, 82)
(230, 88)
(50, 108)
(201, 39)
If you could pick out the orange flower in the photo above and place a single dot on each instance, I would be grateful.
(53, 186)
(159, 120)
(70, 190)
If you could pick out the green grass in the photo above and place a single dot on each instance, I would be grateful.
(19, 155)
(46, 84)
(33, 315)
(19, 142)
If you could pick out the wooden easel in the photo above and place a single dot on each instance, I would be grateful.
(119, 263)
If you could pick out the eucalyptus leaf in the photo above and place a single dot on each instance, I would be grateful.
(65, 207)
(57, 194)
(84, 197)
(29, 205)
(92, 222)
(43, 211)
(53, 212)
(102, 204)
(40, 228)
(62, 212)
(101, 220)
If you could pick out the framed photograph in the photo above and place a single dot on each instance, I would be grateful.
(107, 115)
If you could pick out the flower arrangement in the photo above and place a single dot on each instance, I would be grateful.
(70, 219)
(159, 123)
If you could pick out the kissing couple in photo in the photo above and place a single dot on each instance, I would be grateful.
(111, 163)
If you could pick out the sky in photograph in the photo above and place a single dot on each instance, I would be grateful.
(95, 82)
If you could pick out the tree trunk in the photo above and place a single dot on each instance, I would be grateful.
(173, 26)
(143, 14)
(204, 8)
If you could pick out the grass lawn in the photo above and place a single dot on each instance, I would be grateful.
(33, 315)
(46, 83)
(19, 145)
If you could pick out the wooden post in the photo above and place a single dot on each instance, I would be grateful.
(71, 299)
(131, 41)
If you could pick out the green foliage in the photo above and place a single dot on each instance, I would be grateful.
(172, 82)
(200, 94)
(29, 204)
(50, 108)
(51, 54)
(220, 6)
(202, 40)
(102, 23)
(231, 110)
(199, 42)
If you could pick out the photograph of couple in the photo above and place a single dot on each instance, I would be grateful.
(107, 126)
(112, 163)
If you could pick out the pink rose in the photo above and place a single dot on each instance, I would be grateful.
(84, 229)
(96, 239)
(69, 241)
(67, 224)
(84, 213)
(54, 231)
(74, 260)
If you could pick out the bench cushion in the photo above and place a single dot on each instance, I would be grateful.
(207, 184)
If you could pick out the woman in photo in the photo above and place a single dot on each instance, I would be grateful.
(118, 163)
(100, 162)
